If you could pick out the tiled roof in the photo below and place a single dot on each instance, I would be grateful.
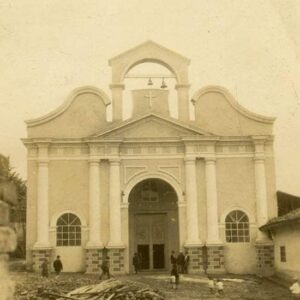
(292, 217)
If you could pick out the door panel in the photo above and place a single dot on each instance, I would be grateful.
(150, 237)
(158, 256)
(143, 252)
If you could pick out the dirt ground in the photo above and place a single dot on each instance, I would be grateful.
(190, 287)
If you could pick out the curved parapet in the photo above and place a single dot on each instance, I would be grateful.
(86, 105)
(229, 117)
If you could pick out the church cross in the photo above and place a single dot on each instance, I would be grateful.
(150, 96)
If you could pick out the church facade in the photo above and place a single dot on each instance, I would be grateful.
(151, 183)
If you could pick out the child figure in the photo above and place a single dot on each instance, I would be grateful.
(211, 285)
(220, 287)
(295, 289)
(174, 277)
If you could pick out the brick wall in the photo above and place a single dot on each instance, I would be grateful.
(38, 256)
(265, 259)
(196, 259)
(215, 259)
(93, 260)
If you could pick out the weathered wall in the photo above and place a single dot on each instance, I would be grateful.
(236, 190)
(289, 237)
(87, 109)
(226, 119)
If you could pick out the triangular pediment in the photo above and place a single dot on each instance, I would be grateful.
(150, 126)
(149, 47)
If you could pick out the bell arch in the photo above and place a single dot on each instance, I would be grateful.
(150, 52)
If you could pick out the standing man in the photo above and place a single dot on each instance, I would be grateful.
(186, 262)
(45, 272)
(173, 258)
(180, 262)
(105, 268)
(135, 262)
(57, 265)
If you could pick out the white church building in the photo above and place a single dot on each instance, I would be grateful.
(151, 182)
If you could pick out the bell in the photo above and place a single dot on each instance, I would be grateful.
(150, 81)
(163, 84)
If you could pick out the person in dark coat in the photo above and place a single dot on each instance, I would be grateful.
(57, 265)
(45, 271)
(180, 262)
(105, 268)
(174, 277)
(135, 262)
(173, 258)
(186, 262)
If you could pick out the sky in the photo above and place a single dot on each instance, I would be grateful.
(252, 48)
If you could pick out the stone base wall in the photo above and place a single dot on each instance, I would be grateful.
(265, 259)
(117, 260)
(196, 259)
(38, 256)
(93, 260)
(215, 259)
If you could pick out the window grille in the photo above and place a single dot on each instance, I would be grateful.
(237, 227)
(68, 230)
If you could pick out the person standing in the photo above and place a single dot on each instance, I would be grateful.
(180, 262)
(186, 263)
(57, 265)
(295, 289)
(135, 262)
(45, 272)
(174, 277)
(173, 258)
(105, 268)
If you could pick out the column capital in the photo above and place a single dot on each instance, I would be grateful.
(210, 160)
(43, 161)
(114, 161)
(259, 158)
(93, 161)
(117, 86)
(190, 160)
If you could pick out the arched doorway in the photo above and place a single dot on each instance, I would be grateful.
(153, 223)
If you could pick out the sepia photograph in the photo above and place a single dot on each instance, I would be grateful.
(149, 149)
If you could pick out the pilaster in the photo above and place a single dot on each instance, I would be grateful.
(115, 204)
(42, 198)
(192, 202)
(211, 202)
(260, 186)
(94, 204)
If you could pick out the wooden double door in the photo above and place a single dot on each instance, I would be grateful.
(151, 240)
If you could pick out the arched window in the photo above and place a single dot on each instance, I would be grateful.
(68, 230)
(237, 227)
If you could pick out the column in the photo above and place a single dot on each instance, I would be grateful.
(42, 198)
(192, 202)
(117, 103)
(211, 202)
(114, 204)
(183, 101)
(260, 186)
(94, 205)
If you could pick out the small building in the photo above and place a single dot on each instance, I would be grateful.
(285, 233)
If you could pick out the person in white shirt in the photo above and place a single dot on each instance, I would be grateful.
(295, 289)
